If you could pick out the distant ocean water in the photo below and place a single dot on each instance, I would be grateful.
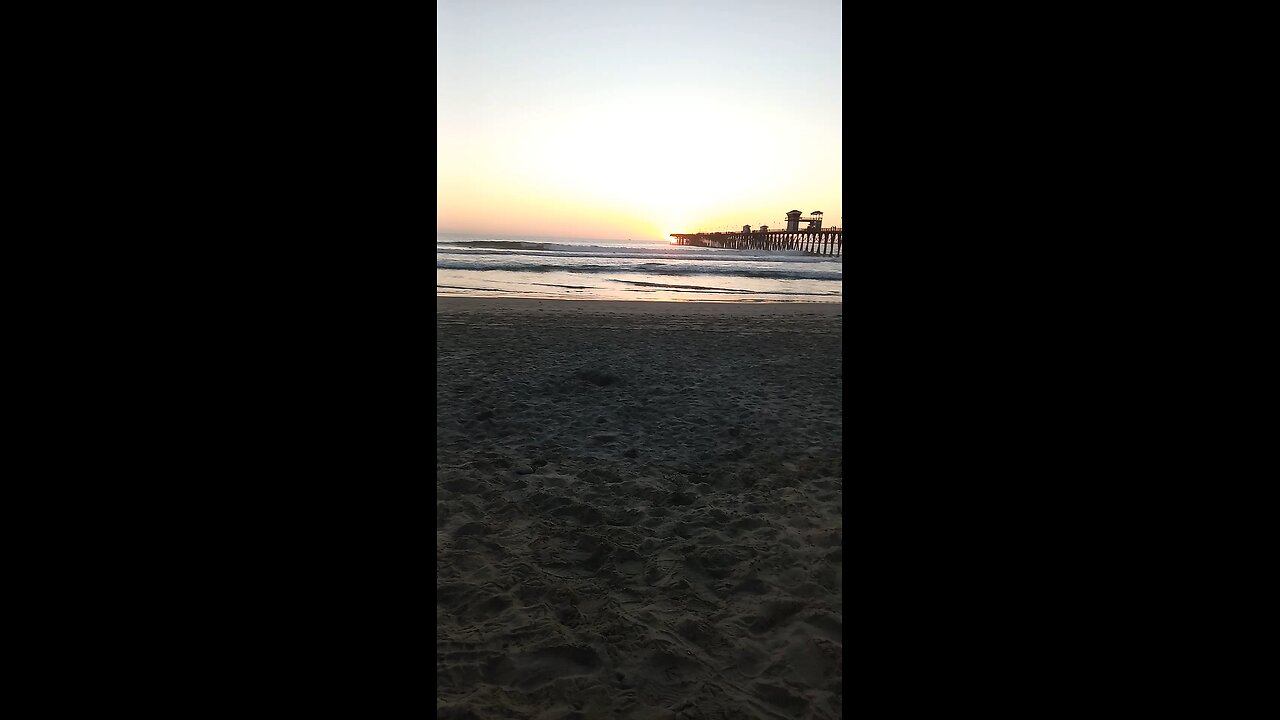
(572, 268)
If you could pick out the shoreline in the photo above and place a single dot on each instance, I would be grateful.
(452, 304)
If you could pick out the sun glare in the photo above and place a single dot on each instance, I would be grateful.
(625, 167)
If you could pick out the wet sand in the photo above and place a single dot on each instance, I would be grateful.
(638, 509)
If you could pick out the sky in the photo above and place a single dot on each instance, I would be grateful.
(636, 119)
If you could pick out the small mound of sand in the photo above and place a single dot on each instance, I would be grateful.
(596, 377)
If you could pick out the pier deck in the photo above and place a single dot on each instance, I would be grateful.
(818, 242)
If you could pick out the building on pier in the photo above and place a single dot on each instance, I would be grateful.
(793, 220)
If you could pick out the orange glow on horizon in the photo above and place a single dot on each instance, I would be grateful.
(608, 170)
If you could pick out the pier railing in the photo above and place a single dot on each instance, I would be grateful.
(828, 241)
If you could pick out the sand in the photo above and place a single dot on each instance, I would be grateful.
(638, 510)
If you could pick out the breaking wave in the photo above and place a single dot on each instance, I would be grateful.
(784, 273)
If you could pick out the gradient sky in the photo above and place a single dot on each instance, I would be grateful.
(610, 119)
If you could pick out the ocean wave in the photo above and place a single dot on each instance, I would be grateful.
(512, 248)
(571, 287)
(499, 244)
(785, 273)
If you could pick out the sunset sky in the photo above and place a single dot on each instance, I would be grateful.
(612, 119)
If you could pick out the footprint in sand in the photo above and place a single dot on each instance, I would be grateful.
(532, 670)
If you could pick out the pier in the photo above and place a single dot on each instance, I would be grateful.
(818, 242)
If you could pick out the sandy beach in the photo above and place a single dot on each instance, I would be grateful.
(638, 509)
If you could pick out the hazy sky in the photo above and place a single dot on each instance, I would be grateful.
(612, 119)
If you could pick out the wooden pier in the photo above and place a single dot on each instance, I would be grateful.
(818, 242)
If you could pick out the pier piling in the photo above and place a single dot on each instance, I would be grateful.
(827, 241)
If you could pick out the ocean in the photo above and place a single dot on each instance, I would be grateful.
(573, 268)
